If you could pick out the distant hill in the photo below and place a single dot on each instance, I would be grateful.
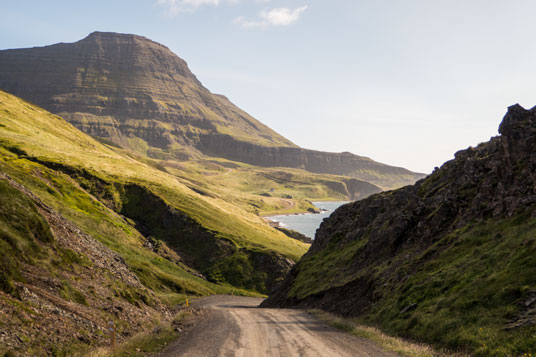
(140, 95)
(450, 261)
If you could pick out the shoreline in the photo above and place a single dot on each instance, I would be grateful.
(318, 211)
(278, 221)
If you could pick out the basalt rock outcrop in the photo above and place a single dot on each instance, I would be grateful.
(140, 95)
(441, 260)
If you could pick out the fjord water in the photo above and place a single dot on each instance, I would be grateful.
(307, 223)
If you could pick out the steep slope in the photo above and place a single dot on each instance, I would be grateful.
(225, 243)
(59, 287)
(137, 93)
(449, 261)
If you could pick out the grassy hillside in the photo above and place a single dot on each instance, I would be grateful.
(266, 191)
(449, 261)
(39, 138)
(467, 292)
(66, 197)
(59, 287)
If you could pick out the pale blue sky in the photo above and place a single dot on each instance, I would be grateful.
(405, 82)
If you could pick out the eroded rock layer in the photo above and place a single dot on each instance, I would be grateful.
(137, 93)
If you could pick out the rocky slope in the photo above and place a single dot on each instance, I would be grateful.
(59, 287)
(449, 261)
(137, 93)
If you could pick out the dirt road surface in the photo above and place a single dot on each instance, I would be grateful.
(236, 327)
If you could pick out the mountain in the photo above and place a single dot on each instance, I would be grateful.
(122, 86)
(450, 261)
(138, 94)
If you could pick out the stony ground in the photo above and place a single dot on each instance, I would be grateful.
(66, 305)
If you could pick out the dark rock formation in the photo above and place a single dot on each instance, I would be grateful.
(125, 88)
(294, 234)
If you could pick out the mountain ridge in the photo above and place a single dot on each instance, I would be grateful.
(137, 93)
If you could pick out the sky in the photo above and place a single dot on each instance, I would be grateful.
(404, 82)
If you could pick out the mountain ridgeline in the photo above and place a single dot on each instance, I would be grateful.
(449, 261)
(137, 93)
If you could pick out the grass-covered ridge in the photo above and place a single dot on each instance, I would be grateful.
(64, 195)
(22, 228)
(43, 138)
(467, 292)
(472, 295)
(266, 191)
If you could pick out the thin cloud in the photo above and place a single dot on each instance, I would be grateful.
(175, 7)
(282, 16)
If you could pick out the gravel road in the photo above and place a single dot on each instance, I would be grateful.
(236, 327)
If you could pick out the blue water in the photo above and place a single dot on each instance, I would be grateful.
(307, 223)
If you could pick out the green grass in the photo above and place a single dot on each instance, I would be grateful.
(470, 291)
(61, 193)
(330, 267)
(262, 191)
(144, 343)
(22, 232)
(465, 289)
(68, 292)
(386, 342)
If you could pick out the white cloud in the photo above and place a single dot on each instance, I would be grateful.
(282, 16)
(175, 7)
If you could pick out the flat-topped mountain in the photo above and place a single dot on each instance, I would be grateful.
(140, 95)
(121, 86)
(448, 261)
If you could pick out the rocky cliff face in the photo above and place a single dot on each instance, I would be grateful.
(137, 93)
(441, 260)
(120, 86)
(348, 164)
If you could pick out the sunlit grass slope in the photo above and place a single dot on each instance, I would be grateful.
(34, 139)
(263, 191)
(169, 280)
